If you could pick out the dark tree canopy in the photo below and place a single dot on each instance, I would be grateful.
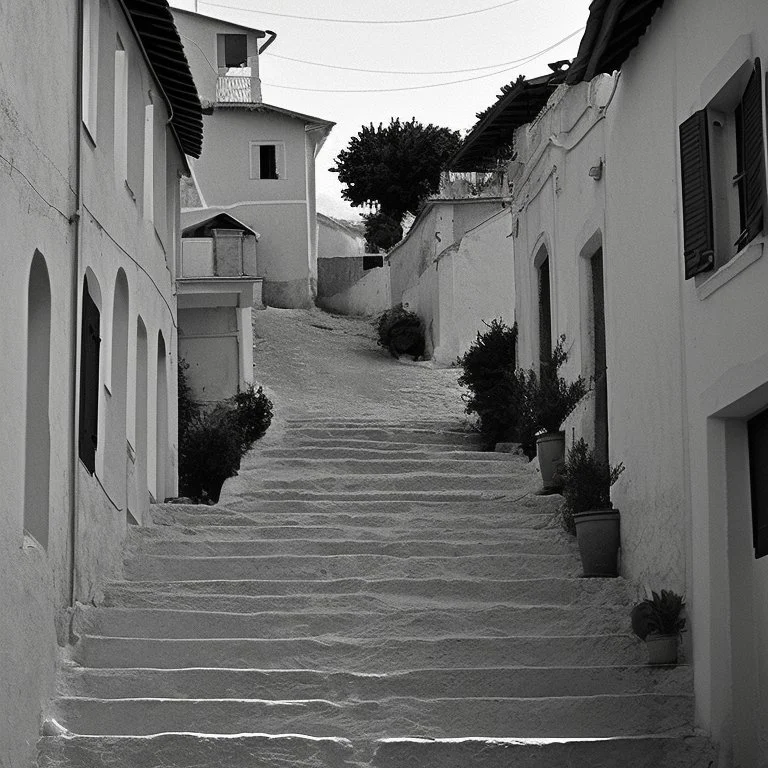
(394, 168)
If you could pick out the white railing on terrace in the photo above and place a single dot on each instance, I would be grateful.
(236, 89)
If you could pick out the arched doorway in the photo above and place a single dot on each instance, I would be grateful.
(115, 460)
(37, 447)
(161, 452)
(142, 360)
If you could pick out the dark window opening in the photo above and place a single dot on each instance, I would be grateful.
(268, 161)
(757, 431)
(372, 260)
(545, 315)
(600, 365)
(90, 343)
(235, 51)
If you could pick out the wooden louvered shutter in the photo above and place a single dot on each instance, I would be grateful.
(757, 430)
(751, 152)
(89, 382)
(698, 234)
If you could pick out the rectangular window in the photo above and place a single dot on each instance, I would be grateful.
(267, 160)
(757, 431)
(723, 173)
(90, 64)
(232, 50)
(90, 342)
(149, 162)
(121, 113)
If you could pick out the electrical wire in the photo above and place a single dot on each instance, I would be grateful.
(361, 21)
(428, 72)
(413, 87)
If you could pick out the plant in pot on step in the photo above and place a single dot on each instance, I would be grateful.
(548, 401)
(657, 620)
(588, 511)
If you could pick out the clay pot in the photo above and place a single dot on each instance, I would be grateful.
(550, 450)
(662, 649)
(598, 535)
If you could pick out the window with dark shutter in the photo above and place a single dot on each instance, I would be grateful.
(89, 381)
(751, 170)
(757, 430)
(698, 234)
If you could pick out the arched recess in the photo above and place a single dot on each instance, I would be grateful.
(161, 453)
(37, 446)
(116, 452)
(595, 345)
(142, 361)
(89, 384)
(544, 305)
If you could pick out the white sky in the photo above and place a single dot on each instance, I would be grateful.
(497, 36)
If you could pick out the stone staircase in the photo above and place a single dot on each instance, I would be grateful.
(366, 593)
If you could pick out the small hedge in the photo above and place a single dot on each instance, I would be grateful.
(494, 388)
(401, 332)
(212, 443)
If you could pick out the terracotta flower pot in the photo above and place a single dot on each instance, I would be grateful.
(598, 535)
(662, 649)
(550, 450)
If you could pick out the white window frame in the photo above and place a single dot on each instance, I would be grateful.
(90, 79)
(255, 161)
(121, 112)
(149, 162)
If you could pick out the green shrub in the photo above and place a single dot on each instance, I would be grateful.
(212, 443)
(401, 332)
(587, 483)
(488, 371)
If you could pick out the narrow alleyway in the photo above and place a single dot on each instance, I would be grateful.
(371, 590)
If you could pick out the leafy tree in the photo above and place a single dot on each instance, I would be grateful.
(394, 168)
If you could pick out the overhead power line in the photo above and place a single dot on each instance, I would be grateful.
(361, 21)
(428, 72)
(431, 85)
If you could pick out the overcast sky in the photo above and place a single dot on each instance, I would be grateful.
(513, 31)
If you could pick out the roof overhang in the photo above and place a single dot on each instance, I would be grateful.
(518, 104)
(614, 28)
(156, 31)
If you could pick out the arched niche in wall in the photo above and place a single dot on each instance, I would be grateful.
(90, 378)
(37, 446)
(141, 415)
(116, 451)
(161, 453)
(543, 292)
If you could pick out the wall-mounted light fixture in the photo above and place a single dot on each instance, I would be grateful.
(596, 171)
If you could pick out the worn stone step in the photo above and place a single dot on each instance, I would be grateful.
(181, 568)
(523, 682)
(327, 467)
(324, 452)
(395, 433)
(532, 542)
(647, 751)
(561, 716)
(322, 622)
(360, 655)
(271, 593)
(184, 750)
(366, 422)
(437, 483)
(396, 445)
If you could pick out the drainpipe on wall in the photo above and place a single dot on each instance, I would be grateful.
(73, 484)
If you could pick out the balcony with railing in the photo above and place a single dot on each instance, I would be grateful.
(238, 89)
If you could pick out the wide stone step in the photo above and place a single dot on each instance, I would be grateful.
(360, 655)
(180, 568)
(344, 452)
(523, 682)
(321, 622)
(270, 594)
(398, 434)
(184, 750)
(562, 716)
(397, 445)
(531, 542)
(438, 483)
(650, 751)
(327, 467)
(367, 422)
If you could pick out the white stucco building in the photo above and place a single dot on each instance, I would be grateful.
(91, 153)
(638, 230)
(259, 159)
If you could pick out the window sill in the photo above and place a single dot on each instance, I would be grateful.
(743, 259)
(90, 136)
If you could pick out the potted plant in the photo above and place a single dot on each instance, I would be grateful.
(549, 400)
(588, 511)
(657, 620)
